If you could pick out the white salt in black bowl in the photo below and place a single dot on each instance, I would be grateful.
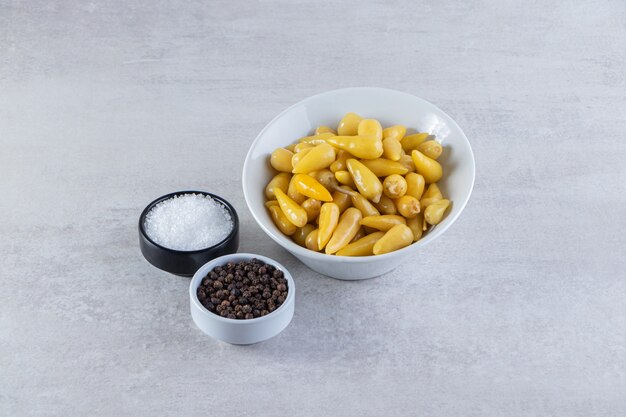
(186, 262)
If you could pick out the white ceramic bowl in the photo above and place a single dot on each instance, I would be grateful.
(240, 332)
(390, 107)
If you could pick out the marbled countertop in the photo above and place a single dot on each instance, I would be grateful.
(518, 310)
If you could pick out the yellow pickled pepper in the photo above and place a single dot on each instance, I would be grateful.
(434, 212)
(316, 139)
(361, 247)
(349, 124)
(325, 177)
(360, 202)
(429, 168)
(416, 224)
(324, 129)
(415, 184)
(300, 147)
(364, 147)
(328, 219)
(347, 228)
(310, 187)
(410, 142)
(382, 167)
(370, 127)
(344, 177)
(280, 160)
(394, 186)
(311, 241)
(368, 184)
(281, 221)
(432, 194)
(398, 237)
(386, 205)
(408, 206)
(431, 148)
(281, 181)
(317, 158)
(301, 233)
(312, 208)
(292, 210)
(342, 200)
(396, 132)
(407, 162)
(340, 162)
(295, 159)
(383, 222)
(392, 149)
(293, 193)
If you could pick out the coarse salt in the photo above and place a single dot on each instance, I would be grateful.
(188, 222)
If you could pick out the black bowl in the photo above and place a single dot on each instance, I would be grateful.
(186, 263)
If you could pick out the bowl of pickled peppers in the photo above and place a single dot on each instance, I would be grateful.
(359, 188)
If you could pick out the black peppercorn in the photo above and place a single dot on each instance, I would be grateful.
(243, 290)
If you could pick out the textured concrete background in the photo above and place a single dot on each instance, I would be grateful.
(519, 310)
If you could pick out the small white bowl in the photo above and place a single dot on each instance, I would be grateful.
(390, 108)
(241, 332)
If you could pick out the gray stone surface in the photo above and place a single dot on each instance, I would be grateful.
(519, 310)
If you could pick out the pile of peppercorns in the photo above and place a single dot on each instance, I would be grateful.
(243, 290)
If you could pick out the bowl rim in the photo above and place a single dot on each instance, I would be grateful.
(300, 251)
(221, 200)
(196, 279)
